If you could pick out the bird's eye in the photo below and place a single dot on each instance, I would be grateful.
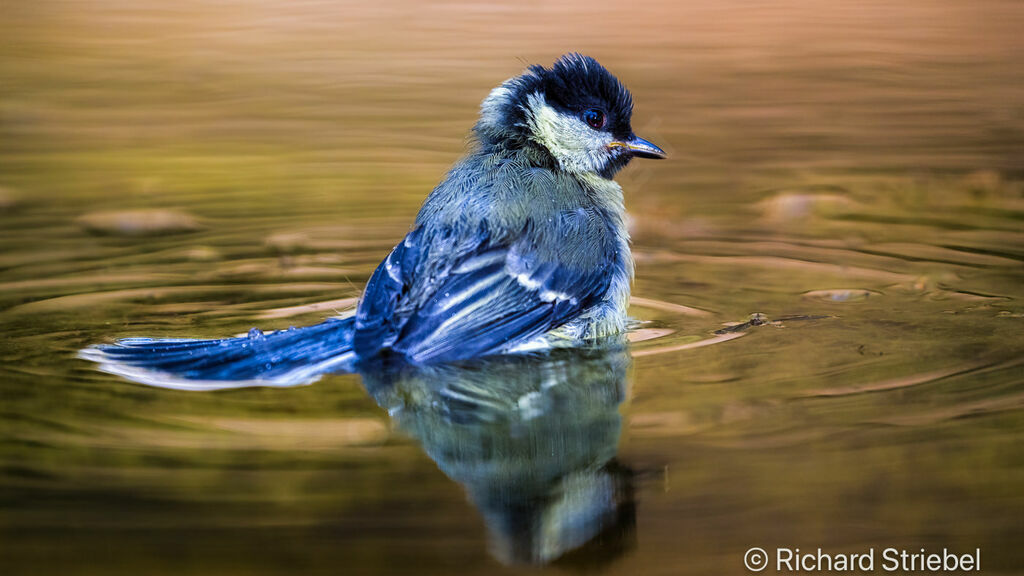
(594, 118)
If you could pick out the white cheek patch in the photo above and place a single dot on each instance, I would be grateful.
(577, 147)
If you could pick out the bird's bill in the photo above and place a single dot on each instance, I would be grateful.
(637, 146)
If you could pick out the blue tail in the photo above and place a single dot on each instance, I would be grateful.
(284, 358)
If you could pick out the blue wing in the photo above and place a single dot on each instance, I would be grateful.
(467, 297)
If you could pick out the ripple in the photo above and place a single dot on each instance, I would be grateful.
(898, 383)
(8, 199)
(668, 307)
(841, 294)
(337, 306)
(153, 294)
(688, 345)
(645, 334)
(139, 222)
(796, 205)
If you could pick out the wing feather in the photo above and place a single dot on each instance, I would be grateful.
(486, 298)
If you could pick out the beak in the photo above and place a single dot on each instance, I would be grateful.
(640, 147)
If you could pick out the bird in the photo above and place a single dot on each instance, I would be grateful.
(522, 247)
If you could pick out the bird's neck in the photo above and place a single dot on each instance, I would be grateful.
(511, 147)
(534, 162)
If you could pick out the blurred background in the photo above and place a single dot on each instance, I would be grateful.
(853, 171)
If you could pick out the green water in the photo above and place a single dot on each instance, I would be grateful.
(852, 173)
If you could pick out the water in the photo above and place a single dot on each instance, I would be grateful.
(852, 173)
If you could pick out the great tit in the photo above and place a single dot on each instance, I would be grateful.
(523, 246)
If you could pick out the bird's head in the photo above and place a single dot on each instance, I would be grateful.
(576, 114)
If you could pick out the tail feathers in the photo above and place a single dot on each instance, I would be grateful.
(284, 358)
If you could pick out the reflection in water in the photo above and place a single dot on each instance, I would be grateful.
(532, 439)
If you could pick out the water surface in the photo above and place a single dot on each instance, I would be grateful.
(851, 172)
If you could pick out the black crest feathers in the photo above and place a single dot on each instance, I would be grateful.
(576, 82)
(572, 84)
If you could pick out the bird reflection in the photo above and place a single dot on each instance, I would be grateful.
(532, 439)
